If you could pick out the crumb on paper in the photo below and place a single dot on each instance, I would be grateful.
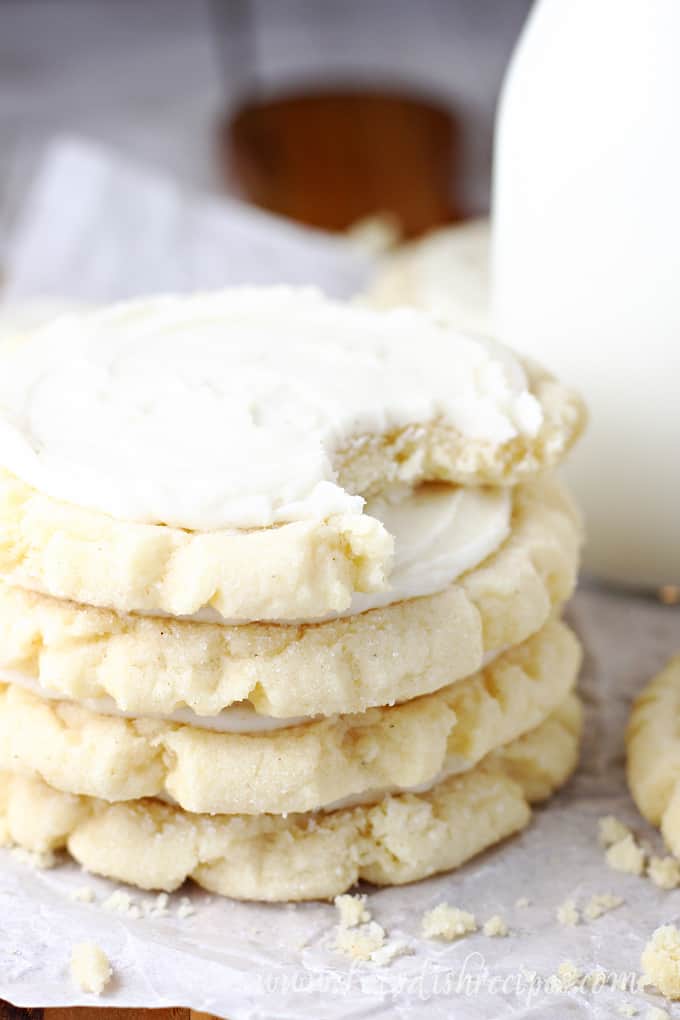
(121, 902)
(611, 830)
(567, 976)
(158, 907)
(627, 1009)
(90, 968)
(361, 942)
(664, 872)
(352, 910)
(626, 856)
(601, 903)
(567, 914)
(495, 927)
(391, 951)
(661, 961)
(448, 923)
(83, 894)
(41, 860)
(185, 908)
(522, 902)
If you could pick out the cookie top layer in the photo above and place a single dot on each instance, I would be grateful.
(245, 408)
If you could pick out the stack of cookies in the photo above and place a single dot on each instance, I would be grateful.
(280, 597)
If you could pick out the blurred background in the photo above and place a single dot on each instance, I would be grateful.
(323, 111)
(195, 144)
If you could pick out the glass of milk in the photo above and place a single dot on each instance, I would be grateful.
(586, 257)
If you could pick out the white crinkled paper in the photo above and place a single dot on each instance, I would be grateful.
(248, 961)
(97, 227)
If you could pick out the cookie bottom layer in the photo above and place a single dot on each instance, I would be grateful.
(402, 838)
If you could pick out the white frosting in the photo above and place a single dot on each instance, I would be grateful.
(440, 532)
(225, 410)
(238, 718)
(373, 796)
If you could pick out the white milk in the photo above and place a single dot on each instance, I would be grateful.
(586, 257)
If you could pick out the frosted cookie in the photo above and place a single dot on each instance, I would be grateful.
(653, 748)
(317, 764)
(446, 272)
(214, 452)
(150, 667)
(400, 839)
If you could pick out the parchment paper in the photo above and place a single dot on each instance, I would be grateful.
(249, 961)
(97, 227)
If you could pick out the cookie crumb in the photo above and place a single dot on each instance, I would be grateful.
(495, 927)
(664, 872)
(447, 923)
(568, 915)
(359, 943)
(611, 830)
(185, 909)
(568, 974)
(90, 968)
(661, 961)
(601, 903)
(523, 902)
(627, 856)
(391, 951)
(83, 894)
(352, 910)
(41, 860)
(120, 902)
(626, 1009)
(158, 908)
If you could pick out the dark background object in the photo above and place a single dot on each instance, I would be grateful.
(331, 158)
